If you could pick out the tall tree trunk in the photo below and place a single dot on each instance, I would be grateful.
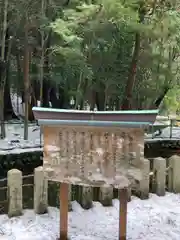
(36, 89)
(160, 98)
(45, 95)
(8, 108)
(126, 104)
(167, 84)
(45, 87)
(41, 75)
(26, 81)
(127, 101)
(31, 97)
(100, 98)
(46, 82)
(63, 98)
(35, 83)
(3, 69)
(53, 98)
(20, 92)
(78, 96)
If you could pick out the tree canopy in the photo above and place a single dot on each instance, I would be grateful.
(111, 54)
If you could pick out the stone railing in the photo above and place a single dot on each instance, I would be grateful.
(160, 175)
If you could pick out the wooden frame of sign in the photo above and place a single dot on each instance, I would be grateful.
(94, 149)
(63, 198)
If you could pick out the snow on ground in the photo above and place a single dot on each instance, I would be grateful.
(166, 133)
(153, 219)
(15, 143)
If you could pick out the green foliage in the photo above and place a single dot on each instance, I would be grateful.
(103, 44)
(171, 101)
(92, 44)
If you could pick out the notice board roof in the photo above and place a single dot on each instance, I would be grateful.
(51, 116)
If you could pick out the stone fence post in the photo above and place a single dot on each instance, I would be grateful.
(15, 205)
(40, 191)
(174, 174)
(159, 170)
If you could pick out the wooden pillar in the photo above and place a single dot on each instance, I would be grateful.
(123, 198)
(63, 199)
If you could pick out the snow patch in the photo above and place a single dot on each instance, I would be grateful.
(152, 219)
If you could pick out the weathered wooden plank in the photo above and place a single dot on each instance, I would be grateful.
(92, 156)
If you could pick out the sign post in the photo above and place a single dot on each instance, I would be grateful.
(63, 199)
(94, 149)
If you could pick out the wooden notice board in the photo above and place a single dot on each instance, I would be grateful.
(93, 156)
(93, 149)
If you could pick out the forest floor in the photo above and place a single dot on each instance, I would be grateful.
(153, 219)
